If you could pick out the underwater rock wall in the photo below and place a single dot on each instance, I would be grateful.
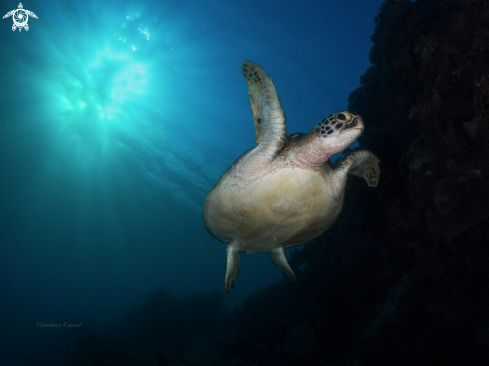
(430, 71)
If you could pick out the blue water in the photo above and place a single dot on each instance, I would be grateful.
(118, 117)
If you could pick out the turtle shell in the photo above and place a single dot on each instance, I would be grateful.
(287, 207)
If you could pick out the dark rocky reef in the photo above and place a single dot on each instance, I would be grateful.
(403, 276)
(161, 331)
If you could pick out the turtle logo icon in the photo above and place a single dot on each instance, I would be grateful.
(20, 17)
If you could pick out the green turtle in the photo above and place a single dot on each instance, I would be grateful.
(284, 192)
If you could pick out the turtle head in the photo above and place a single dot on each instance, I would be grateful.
(338, 131)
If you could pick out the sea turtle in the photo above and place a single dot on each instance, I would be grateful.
(20, 17)
(284, 192)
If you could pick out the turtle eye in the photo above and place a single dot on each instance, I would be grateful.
(341, 117)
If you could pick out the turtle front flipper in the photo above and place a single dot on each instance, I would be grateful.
(9, 14)
(363, 164)
(232, 267)
(268, 114)
(31, 14)
(280, 261)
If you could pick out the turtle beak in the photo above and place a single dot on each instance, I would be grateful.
(357, 123)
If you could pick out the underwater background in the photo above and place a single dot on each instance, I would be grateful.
(118, 117)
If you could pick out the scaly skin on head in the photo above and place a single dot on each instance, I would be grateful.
(329, 137)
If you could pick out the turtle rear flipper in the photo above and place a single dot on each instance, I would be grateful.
(232, 267)
(363, 164)
(280, 261)
(268, 114)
